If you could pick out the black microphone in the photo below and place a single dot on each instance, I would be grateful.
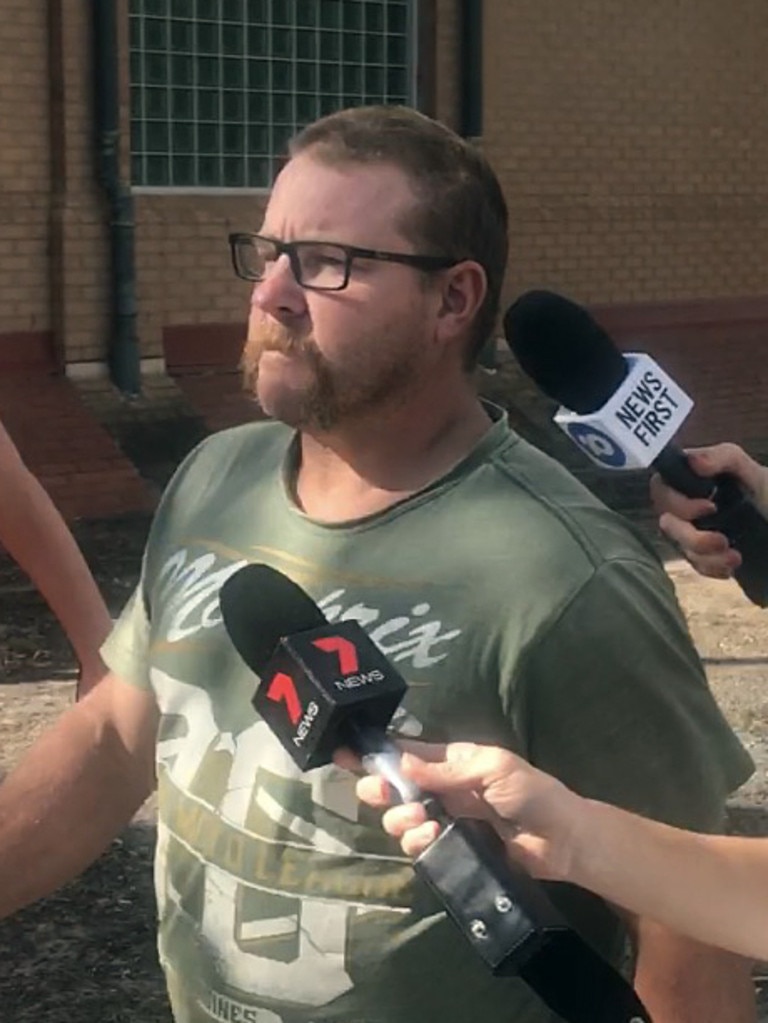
(623, 411)
(325, 685)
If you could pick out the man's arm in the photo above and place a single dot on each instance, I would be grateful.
(37, 538)
(618, 707)
(681, 981)
(74, 790)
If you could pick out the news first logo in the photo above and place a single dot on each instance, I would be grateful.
(636, 424)
(599, 446)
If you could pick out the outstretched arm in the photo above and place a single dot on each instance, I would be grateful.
(709, 887)
(37, 538)
(76, 787)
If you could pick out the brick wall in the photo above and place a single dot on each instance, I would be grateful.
(80, 284)
(53, 285)
(184, 273)
(632, 141)
(24, 169)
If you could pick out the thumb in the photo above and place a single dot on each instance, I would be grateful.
(466, 767)
(441, 776)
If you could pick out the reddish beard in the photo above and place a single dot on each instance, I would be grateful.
(319, 407)
(330, 397)
(269, 337)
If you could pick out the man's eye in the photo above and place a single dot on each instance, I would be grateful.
(327, 259)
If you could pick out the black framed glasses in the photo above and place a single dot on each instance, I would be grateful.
(317, 266)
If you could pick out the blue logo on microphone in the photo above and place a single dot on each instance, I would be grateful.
(598, 445)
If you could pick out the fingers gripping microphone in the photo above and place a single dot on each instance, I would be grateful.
(326, 685)
(623, 411)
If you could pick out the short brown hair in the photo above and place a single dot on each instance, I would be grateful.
(461, 210)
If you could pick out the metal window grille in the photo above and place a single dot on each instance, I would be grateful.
(219, 86)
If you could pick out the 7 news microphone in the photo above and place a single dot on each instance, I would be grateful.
(325, 686)
(623, 411)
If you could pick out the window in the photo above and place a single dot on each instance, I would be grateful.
(219, 86)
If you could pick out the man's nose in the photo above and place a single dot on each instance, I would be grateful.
(280, 292)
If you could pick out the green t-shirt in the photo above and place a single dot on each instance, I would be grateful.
(520, 611)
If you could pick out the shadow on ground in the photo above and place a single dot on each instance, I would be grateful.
(87, 954)
(32, 644)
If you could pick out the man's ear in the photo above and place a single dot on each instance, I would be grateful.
(463, 292)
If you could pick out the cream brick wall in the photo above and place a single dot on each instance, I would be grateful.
(631, 140)
(184, 273)
(24, 168)
(632, 143)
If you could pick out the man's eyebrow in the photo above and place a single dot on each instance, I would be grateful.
(320, 237)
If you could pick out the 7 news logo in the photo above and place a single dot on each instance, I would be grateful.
(319, 683)
(349, 663)
(282, 688)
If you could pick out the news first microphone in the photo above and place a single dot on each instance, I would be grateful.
(623, 411)
(327, 685)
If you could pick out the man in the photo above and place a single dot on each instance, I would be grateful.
(709, 552)
(37, 538)
(520, 610)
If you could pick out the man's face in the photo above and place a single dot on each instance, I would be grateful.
(316, 360)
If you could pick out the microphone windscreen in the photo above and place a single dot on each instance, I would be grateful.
(564, 350)
(259, 606)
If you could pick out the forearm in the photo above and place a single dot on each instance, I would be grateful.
(55, 822)
(713, 888)
(35, 535)
(682, 981)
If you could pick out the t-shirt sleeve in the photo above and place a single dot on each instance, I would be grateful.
(126, 649)
(613, 700)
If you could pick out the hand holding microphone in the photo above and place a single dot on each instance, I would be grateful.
(709, 887)
(623, 412)
(540, 820)
(684, 520)
(325, 686)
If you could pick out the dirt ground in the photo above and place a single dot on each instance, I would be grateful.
(88, 953)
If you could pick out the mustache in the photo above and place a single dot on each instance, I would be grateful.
(271, 339)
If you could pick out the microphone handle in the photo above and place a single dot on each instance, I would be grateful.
(505, 914)
(379, 755)
(737, 518)
(513, 926)
(674, 468)
(467, 867)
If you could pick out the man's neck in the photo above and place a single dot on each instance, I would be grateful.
(371, 464)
